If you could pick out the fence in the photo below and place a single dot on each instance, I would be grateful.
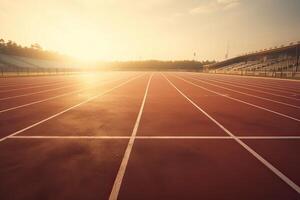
(274, 74)
(14, 71)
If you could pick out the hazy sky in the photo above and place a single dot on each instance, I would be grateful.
(150, 29)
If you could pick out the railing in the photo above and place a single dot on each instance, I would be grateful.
(293, 74)
(12, 71)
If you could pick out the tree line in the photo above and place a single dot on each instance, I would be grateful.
(155, 65)
(34, 51)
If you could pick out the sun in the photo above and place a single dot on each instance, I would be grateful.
(83, 41)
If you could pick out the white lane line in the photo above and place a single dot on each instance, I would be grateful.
(241, 101)
(155, 137)
(266, 87)
(38, 86)
(183, 137)
(54, 97)
(39, 92)
(22, 84)
(219, 137)
(118, 181)
(256, 86)
(247, 88)
(278, 86)
(270, 137)
(117, 137)
(34, 82)
(66, 137)
(248, 84)
(288, 92)
(68, 109)
(244, 145)
(247, 94)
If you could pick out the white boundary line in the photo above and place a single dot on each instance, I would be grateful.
(183, 137)
(241, 101)
(68, 109)
(66, 137)
(247, 94)
(117, 137)
(244, 145)
(269, 137)
(55, 97)
(118, 181)
(156, 137)
(247, 88)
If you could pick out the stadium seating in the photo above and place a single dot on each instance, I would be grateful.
(25, 62)
(274, 62)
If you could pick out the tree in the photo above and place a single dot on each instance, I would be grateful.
(2, 42)
(36, 46)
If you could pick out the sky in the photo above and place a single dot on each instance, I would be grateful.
(151, 29)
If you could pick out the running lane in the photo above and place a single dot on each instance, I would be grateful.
(167, 113)
(201, 168)
(75, 168)
(21, 118)
(40, 94)
(31, 80)
(274, 95)
(198, 169)
(38, 86)
(59, 169)
(289, 86)
(111, 115)
(288, 107)
(282, 153)
(239, 118)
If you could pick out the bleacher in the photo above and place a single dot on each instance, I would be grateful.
(11, 64)
(25, 62)
(275, 62)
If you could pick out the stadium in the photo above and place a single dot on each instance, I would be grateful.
(279, 62)
(136, 100)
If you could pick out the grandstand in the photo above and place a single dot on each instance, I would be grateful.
(11, 64)
(280, 61)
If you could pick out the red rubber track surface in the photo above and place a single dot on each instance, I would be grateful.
(186, 135)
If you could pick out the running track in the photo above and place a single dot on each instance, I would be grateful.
(149, 135)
